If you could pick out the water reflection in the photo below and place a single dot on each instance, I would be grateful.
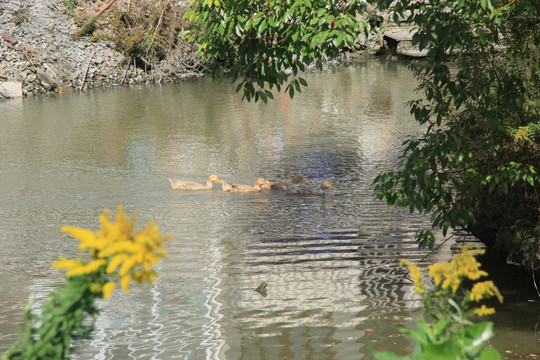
(334, 289)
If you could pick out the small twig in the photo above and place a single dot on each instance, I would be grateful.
(105, 7)
(434, 250)
(155, 32)
(86, 72)
(534, 282)
(125, 73)
(52, 25)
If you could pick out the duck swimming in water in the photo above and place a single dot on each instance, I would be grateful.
(191, 185)
(301, 189)
(284, 185)
(259, 184)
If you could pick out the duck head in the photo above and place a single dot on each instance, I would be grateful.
(261, 183)
(215, 178)
(298, 180)
(327, 184)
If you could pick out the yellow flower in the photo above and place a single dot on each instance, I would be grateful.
(83, 235)
(465, 265)
(115, 261)
(124, 280)
(485, 290)
(95, 288)
(127, 265)
(89, 268)
(108, 289)
(124, 253)
(483, 311)
(462, 266)
(416, 275)
(438, 272)
(64, 263)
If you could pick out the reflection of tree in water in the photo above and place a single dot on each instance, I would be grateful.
(320, 287)
(346, 258)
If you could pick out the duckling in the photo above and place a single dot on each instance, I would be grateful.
(284, 185)
(191, 185)
(259, 184)
(301, 189)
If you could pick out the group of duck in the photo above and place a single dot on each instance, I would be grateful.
(297, 186)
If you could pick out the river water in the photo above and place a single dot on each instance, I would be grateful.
(334, 287)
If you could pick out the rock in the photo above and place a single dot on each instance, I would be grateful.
(45, 80)
(9, 38)
(11, 89)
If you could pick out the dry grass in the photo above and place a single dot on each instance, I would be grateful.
(146, 32)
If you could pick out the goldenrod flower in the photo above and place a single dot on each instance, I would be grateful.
(465, 265)
(64, 263)
(117, 250)
(452, 281)
(462, 266)
(124, 281)
(438, 272)
(89, 268)
(95, 288)
(416, 275)
(485, 290)
(108, 289)
(483, 311)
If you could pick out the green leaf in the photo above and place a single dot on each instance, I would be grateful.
(262, 26)
(448, 349)
(291, 91)
(263, 96)
(478, 334)
(504, 187)
(489, 353)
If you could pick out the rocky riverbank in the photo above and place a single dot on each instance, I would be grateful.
(39, 53)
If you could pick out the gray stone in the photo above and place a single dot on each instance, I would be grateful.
(11, 89)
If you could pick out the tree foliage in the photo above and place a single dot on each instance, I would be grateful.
(476, 166)
(268, 43)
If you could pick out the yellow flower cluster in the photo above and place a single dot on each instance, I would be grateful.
(483, 311)
(416, 275)
(449, 276)
(116, 250)
(462, 266)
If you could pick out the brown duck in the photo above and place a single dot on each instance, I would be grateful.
(259, 184)
(301, 189)
(191, 185)
(284, 185)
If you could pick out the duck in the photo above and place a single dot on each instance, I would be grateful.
(191, 185)
(301, 189)
(259, 184)
(284, 185)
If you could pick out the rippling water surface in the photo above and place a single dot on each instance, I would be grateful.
(334, 288)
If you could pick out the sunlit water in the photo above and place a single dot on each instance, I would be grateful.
(334, 287)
